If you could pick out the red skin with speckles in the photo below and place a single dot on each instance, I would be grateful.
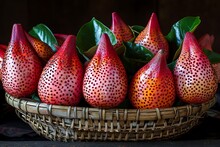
(153, 85)
(61, 80)
(121, 30)
(21, 66)
(195, 78)
(152, 38)
(105, 79)
(43, 50)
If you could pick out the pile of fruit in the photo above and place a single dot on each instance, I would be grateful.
(107, 66)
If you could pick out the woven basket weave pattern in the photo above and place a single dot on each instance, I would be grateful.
(66, 123)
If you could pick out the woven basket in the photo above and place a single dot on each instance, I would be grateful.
(66, 123)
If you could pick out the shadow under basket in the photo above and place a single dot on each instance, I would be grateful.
(66, 123)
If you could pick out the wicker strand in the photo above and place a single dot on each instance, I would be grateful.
(69, 112)
(49, 109)
(37, 108)
(158, 114)
(19, 104)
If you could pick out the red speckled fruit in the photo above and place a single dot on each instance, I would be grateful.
(105, 79)
(21, 66)
(43, 50)
(195, 78)
(152, 38)
(61, 80)
(121, 30)
(153, 85)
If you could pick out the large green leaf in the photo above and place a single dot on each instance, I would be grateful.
(135, 56)
(179, 29)
(89, 36)
(137, 51)
(176, 35)
(213, 56)
(43, 33)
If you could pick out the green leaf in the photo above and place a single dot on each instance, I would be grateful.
(172, 65)
(135, 56)
(89, 36)
(137, 29)
(35, 97)
(136, 51)
(213, 56)
(177, 53)
(43, 33)
(176, 35)
(89, 53)
(179, 29)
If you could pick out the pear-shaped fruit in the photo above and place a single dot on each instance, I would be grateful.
(43, 50)
(153, 85)
(121, 30)
(105, 79)
(21, 66)
(195, 78)
(152, 38)
(61, 80)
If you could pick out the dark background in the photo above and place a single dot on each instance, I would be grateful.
(67, 16)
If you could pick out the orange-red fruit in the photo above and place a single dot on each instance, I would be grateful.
(152, 38)
(61, 80)
(121, 30)
(195, 78)
(43, 50)
(153, 85)
(105, 79)
(21, 66)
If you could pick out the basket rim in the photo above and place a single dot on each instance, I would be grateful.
(31, 106)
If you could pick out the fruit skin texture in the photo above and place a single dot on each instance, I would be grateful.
(43, 50)
(153, 85)
(105, 79)
(21, 66)
(152, 38)
(121, 30)
(61, 80)
(195, 79)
